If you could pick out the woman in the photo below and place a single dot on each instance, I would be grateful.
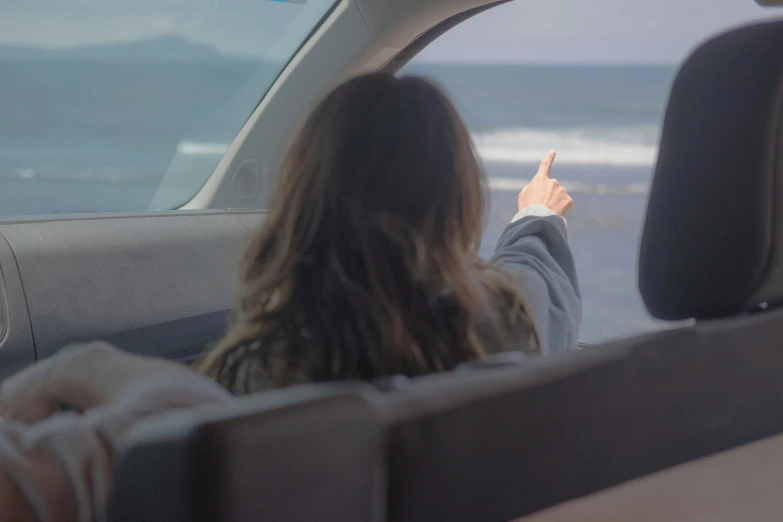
(366, 267)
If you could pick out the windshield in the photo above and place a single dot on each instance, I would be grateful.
(110, 105)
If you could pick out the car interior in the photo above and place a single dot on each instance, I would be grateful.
(128, 278)
(680, 424)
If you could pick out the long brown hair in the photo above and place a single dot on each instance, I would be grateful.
(367, 265)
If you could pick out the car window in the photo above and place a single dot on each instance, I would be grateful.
(590, 79)
(110, 105)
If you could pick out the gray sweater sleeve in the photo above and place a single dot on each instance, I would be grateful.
(534, 248)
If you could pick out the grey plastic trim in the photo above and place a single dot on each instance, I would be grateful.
(409, 53)
(157, 284)
(16, 340)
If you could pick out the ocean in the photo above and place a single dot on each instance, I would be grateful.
(92, 136)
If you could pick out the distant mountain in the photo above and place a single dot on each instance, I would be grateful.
(161, 49)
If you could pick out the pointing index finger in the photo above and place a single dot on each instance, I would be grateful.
(546, 164)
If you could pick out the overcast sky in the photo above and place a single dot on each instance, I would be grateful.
(636, 31)
(565, 31)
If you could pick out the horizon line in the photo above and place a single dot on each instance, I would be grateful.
(545, 64)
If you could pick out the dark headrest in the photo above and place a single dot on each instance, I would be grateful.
(713, 237)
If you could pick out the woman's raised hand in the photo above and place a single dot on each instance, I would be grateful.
(543, 190)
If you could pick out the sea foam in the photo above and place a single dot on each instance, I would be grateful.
(632, 146)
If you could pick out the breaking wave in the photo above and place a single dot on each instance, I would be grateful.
(631, 146)
(196, 148)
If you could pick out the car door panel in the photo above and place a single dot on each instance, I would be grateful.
(159, 284)
(16, 339)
